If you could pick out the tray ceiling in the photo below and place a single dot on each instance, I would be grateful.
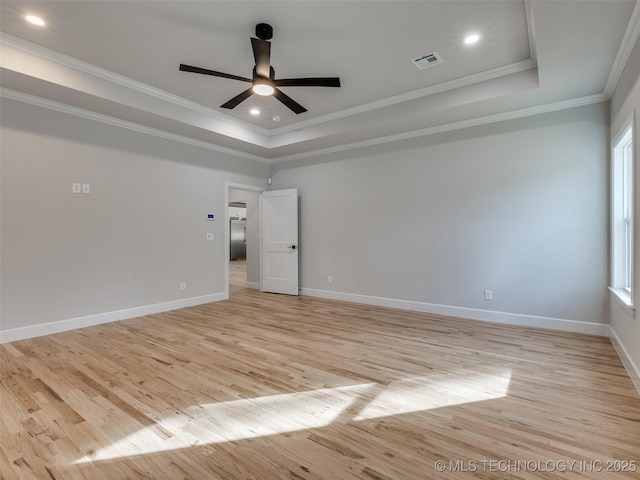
(118, 62)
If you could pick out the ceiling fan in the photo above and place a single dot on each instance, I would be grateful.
(264, 82)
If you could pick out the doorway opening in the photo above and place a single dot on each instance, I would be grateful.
(237, 243)
(242, 237)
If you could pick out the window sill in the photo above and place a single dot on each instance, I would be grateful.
(624, 299)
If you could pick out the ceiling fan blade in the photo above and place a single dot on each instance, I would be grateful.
(308, 82)
(238, 99)
(289, 102)
(204, 71)
(262, 55)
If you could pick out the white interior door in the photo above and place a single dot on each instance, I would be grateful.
(280, 241)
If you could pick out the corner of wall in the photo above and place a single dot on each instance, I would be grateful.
(632, 369)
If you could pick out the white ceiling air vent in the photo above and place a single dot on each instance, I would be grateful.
(427, 60)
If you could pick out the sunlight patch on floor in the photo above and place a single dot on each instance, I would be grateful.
(237, 420)
(244, 419)
(429, 392)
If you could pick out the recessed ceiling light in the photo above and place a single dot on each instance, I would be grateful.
(254, 111)
(276, 118)
(471, 39)
(33, 20)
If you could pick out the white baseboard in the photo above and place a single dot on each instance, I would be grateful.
(21, 333)
(629, 365)
(254, 285)
(600, 329)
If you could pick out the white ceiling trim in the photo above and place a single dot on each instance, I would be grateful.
(109, 76)
(218, 131)
(106, 75)
(50, 71)
(473, 122)
(631, 35)
(405, 97)
(136, 127)
(533, 51)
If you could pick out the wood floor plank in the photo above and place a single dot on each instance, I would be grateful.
(270, 386)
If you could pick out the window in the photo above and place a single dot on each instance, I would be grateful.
(622, 216)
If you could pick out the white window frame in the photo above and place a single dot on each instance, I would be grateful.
(622, 216)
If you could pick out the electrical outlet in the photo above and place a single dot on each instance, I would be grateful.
(330, 279)
(183, 286)
(488, 294)
(76, 188)
(86, 188)
(210, 237)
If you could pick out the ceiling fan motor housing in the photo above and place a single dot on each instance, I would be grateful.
(272, 74)
(264, 31)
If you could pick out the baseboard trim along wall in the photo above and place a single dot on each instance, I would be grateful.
(625, 358)
(21, 333)
(589, 328)
(254, 285)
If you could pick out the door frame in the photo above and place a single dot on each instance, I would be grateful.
(227, 229)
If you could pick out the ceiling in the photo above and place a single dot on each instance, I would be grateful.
(117, 61)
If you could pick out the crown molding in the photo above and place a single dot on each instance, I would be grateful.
(629, 40)
(98, 117)
(109, 76)
(474, 122)
(533, 49)
(531, 62)
(408, 96)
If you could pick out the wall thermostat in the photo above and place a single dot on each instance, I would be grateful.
(210, 216)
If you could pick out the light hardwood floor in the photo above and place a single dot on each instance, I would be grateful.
(269, 386)
(237, 273)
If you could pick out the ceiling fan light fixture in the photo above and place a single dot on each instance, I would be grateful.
(264, 82)
(263, 89)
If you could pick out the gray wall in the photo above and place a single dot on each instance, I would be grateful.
(131, 241)
(625, 103)
(252, 199)
(518, 207)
